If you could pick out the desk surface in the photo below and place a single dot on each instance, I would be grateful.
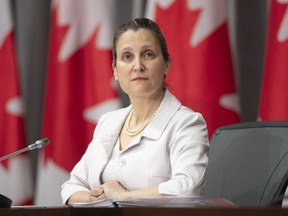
(63, 211)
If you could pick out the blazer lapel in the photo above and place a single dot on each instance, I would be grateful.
(166, 110)
(109, 139)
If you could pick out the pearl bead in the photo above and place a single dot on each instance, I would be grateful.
(140, 128)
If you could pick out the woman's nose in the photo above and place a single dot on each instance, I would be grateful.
(138, 65)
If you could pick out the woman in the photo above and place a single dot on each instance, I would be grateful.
(155, 147)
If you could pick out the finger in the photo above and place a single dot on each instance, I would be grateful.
(114, 185)
(97, 191)
(118, 186)
(97, 198)
(113, 189)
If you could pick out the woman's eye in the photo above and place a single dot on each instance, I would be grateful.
(126, 56)
(149, 54)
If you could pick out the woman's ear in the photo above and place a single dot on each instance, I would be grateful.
(168, 66)
(115, 72)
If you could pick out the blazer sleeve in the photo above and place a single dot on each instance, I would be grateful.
(78, 178)
(189, 148)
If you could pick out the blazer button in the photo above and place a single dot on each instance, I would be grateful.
(122, 163)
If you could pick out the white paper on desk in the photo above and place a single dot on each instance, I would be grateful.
(105, 203)
(174, 202)
(157, 202)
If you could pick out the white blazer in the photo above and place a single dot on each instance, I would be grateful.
(171, 152)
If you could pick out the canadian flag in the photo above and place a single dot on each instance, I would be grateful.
(274, 100)
(201, 74)
(79, 89)
(15, 173)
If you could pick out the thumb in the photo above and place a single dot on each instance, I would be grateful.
(97, 191)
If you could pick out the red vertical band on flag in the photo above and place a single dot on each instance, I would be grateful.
(273, 102)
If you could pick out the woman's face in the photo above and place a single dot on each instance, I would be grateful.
(140, 67)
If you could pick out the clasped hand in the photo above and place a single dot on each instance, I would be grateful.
(110, 190)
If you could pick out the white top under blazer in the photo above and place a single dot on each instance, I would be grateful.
(171, 152)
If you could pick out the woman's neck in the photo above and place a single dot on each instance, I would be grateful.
(143, 107)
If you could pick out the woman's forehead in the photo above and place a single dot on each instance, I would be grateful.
(141, 36)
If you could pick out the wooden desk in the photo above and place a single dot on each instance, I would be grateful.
(63, 211)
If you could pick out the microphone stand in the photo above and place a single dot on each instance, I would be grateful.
(38, 144)
(6, 202)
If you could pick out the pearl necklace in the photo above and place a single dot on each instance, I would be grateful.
(140, 128)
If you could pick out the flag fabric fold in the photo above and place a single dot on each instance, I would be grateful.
(201, 75)
(15, 172)
(79, 88)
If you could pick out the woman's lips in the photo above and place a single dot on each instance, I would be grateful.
(139, 78)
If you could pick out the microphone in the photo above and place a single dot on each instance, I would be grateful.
(38, 144)
(5, 202)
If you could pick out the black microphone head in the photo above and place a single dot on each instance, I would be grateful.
(5, 202)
